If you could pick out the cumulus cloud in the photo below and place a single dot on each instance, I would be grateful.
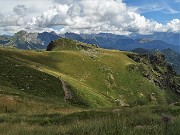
(94, 16)
(173, 26)
(11, 20)
(55, 15)
(20, 10)
(14, 21)
(88, 16)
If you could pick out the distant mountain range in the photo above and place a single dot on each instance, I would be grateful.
(159, 41)
(126, 43)
(168, 37)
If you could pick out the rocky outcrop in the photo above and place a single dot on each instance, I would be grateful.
(158, 70)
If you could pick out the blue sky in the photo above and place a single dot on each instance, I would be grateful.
(161, 11)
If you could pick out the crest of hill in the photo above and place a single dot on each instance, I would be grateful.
(69, 44)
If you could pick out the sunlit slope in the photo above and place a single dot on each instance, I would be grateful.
(100, 77)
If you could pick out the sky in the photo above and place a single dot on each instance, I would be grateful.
(90, 16)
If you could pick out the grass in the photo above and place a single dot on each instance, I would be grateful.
(23, 88)
(67, 44)
(82, 68)
(122, 121)
(101, 81)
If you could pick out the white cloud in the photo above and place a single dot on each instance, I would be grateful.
(173, 26)
(20, 10)
(154, 7)
(84, 16)
(55, 15)
(68, 2)
(11, 20)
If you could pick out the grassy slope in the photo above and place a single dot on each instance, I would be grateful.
(24, 89)
(98, 76)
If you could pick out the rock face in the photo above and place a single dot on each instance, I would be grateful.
(159, 72)
(25, 40)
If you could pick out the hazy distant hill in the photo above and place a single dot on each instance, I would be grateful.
(4, 39)
(168, 37)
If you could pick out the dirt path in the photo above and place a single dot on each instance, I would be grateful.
(67, 92)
